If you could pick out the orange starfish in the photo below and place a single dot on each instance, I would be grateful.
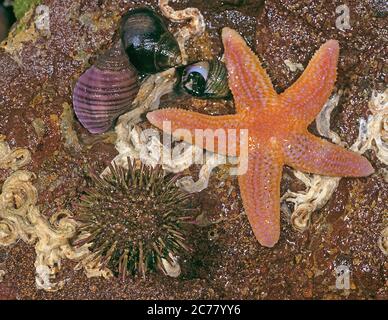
(277, 129)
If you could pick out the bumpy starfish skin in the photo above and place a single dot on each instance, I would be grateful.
(277, 129)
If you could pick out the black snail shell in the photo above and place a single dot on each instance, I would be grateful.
(206, 79)
(105, 91)
(151, 48)
(7, 18)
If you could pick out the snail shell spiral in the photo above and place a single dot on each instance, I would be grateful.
(151, 48)
(206, 79)
(105, 91)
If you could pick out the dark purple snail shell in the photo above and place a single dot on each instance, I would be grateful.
(105, 91)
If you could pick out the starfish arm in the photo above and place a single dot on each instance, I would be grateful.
(306, 97)
(248, 81)
(213, 133)
(311, 154)
(260, 192)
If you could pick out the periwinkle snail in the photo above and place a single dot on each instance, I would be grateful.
(206, 79)
(147, 41)
(107, 89)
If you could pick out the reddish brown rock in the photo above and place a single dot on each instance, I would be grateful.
(226, 262)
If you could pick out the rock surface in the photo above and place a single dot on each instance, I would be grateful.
(38, 68)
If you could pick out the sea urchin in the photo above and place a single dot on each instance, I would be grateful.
(132, 219)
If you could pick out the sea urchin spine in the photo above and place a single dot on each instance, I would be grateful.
(132, 219)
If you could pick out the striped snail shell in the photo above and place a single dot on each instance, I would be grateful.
(151, 48)
(105, 91)
(206, 79)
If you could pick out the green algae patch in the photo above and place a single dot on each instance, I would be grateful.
(22, 6)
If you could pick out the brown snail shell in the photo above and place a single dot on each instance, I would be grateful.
(205, 79)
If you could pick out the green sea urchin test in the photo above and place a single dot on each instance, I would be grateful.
(132, 219)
